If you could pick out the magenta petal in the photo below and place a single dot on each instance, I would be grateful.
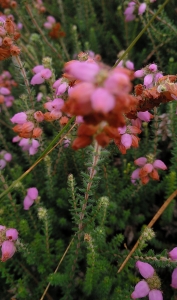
(135, 174)
(46, 73)
(142, 8)
(8, 249)
(102, 100)
(174, 279)
(145, 269)
(153, 67)
(158, 164)
(155, 295)
(141, 161)
(7, 157)
(141, 290)
(38, 69)
(173, 254)
(144, 116)
(19, 118)
(12, 234)
(27, 202)
(148, 80)
(126, 140)
(4, 91)
(37, 79)
(32, 193)
(139, 73)
(130, 65)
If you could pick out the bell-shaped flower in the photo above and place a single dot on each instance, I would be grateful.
(173, 254)
(145, 269)
(8, 249)
(174, 279)
(19, 118)
(12, 234)
(141, 290)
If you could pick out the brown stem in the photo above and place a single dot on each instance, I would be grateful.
(152, 222)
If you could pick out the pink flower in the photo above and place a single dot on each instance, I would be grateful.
(153, 67)
(147, 170)
(148, 79)
(19, 118)
(142, 289)
(144, 116)
(174, 279)
(145, 269)
(12, 234)
(32, 194)
(142, 8)
(139, 73)
(41, 75)
(82, 70)
(173, 254)
(50, 22)
(8, 249)
(102, 100)
(30, 145)
(7, 156)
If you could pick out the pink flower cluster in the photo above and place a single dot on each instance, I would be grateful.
(50, 22)
(130, 11)
(151, 75)
(41, 74)
(54, 107)
(148, 169)
(4, 158)
(32, 194)
(30, 145)
(27, 124)
(8, 237)
(6, 84)
(133, 9)
(149, 287)
(128, 138)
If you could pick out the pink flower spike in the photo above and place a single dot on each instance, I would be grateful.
(12, 234)
(142, 8)
(173, 254)
(19, 118)
(148, 80)
(158, 164)
(141, 290)
(27, 203)
(141, 161)
(174, 279)
(32, 193)
(155, 295)
(145, 269)
(126, 140)
(102, 100)
(8, 249)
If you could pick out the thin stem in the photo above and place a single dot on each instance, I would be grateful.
(40, 31)
(152, 222)
(141, 33)
(64, 254)
(23, 73)
(49, 149)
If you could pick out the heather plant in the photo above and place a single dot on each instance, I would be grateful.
(88, 149)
